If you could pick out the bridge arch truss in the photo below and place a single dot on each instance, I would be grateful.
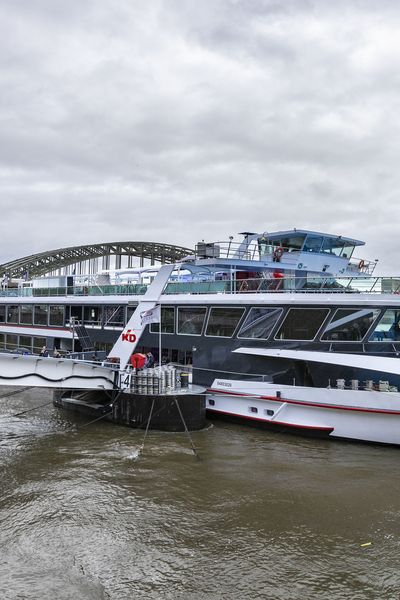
(92, 257)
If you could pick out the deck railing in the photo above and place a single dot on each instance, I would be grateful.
(299, 285)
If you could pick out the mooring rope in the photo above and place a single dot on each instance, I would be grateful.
(147, 428)
(186, 429)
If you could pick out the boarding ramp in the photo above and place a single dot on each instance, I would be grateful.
(57, 373)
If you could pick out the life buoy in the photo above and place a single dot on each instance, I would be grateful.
(278, 253)
(361, 264)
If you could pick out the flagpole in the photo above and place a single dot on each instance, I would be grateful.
(159, 343)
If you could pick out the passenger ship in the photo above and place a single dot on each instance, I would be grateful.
(287, 330)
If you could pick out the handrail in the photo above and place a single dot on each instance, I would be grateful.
(307, 284)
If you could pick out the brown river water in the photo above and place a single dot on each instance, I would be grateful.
(260, 515)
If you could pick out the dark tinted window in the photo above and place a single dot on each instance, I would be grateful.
(26, 314)
(57, 315)
(302, 323)
(11, 341)
(223, 321)
(2, 313)
(350, 324)
(167, 321)
(40, 314)
(12, 314)
(191, 320)
(260, 322)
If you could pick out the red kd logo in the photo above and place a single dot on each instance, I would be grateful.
(129, 337)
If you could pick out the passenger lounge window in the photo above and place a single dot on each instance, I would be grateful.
(350, 324)
(167, 321)
(222, 322)
(388, 328)
(302, 323)
(191, 320)
(259, 323)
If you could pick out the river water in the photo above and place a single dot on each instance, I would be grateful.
(85, 515)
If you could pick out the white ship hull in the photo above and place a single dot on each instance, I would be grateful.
(364, 415)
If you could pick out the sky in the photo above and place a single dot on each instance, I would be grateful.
(179, 120)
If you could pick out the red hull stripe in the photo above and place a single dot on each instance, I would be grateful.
(304, 403)
(279, 423)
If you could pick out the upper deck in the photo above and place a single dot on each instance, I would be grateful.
(260, 285)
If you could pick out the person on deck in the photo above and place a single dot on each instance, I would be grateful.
(149, 361)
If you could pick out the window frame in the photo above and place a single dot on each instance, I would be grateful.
(365, 338)
(318, 332)
(280, 308)
(186, 307)
(224, 307)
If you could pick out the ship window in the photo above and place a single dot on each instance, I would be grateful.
(350, 324)
(211, 402)
(2, 340)
(75, 312)
(222, 322)
(26, 314)
(12, 314)
(167, 321)
(57, 315)
(2, 313)
(260, 322)
(313, 243)
(12, 341)
(191, 320)
(25, 342)
(91, 314)
(40, 314)
(38, 343)
(253, 409)
(269, 412)
(114, 315)
(388, 328)
(302, 323)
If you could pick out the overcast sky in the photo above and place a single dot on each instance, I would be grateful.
(180, 120)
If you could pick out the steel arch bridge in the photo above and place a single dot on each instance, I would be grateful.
(51, 261)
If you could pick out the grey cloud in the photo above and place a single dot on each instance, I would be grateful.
(177, 121)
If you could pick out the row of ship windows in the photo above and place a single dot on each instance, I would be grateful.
(302, 324)
(344, 324)
(57, 315)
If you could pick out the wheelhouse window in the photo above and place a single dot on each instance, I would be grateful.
(2, 313)
(260, 322)
(191, 320)
(302, 323)
(313, 243)
(26, 314)
(350, 324)
(12, 314)
(40, 315)
(2, 340)
(56, 316)
(388, 328)
(167, 321)
(222, 322)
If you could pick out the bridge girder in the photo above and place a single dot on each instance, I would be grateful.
(43, 263)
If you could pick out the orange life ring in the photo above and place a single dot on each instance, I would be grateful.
(278, 253)
(361, 264)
